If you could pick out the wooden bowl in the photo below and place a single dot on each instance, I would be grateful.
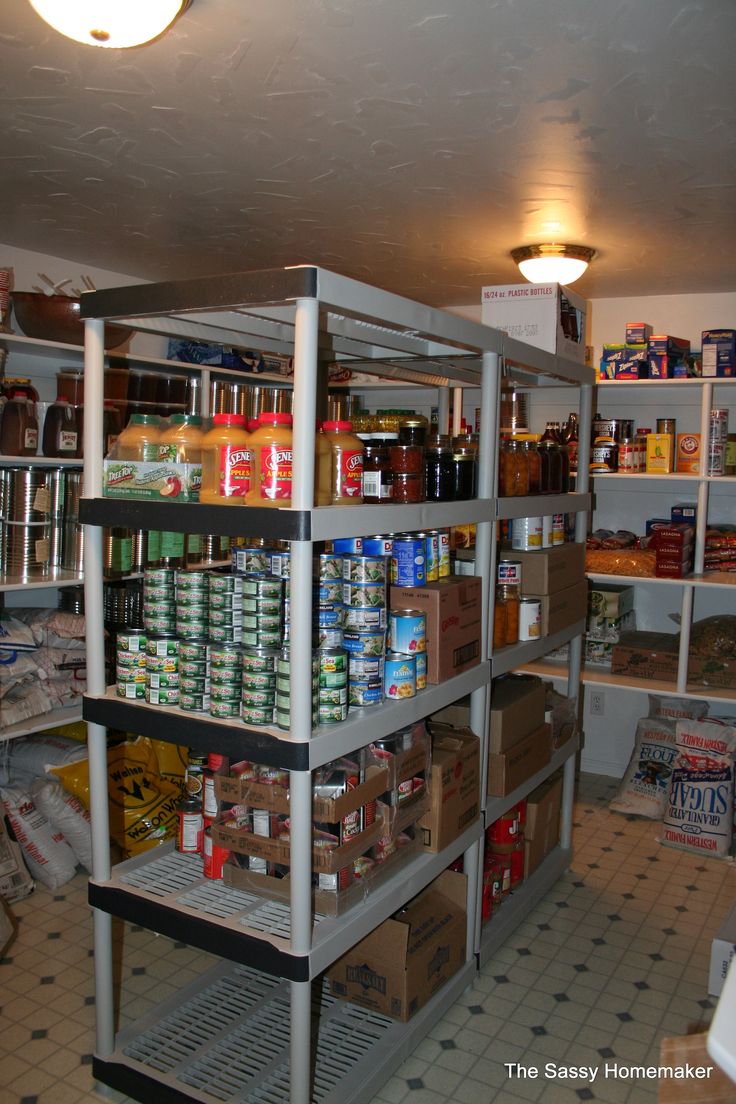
(56, 318)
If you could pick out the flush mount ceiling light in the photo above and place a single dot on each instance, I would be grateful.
(552, 263)
(113, 23)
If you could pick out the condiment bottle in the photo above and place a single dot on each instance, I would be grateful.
(227, 468)
(18, 428)
(60, 430)
(140, 438)
(181, 442)
(347, 463)
(272, 461)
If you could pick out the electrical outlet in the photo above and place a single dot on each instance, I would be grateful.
(597, 703)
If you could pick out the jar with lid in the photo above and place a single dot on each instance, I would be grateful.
(17, 387)
(347, 463)
(513, 470)
(18, 427)
(181, 442)
(60, 430)
(549, 453)
(534, 463)
(439, 469)
(272, 461)
(464, 466)
(510, 597)
(377, 476)
(226, 461)
(413, 430)
(388, 421)
(140, 439)
(564, 466)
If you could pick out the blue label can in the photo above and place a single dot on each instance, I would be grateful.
(400, 676)
(378, 546)
(407, 631)
(421, 670)
(408, 561)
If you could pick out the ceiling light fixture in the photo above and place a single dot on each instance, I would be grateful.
(552, 263)
(115, 24)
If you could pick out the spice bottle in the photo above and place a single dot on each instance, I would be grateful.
(347, 463)
(226, 461)
(272, 460)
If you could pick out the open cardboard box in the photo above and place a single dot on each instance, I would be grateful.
(509, 769)
(276, 850)
(405, 960)
(454, 790)
(261, 795)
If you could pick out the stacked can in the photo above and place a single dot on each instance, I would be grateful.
(409, 560)
(130, 665)
(159, 601)
(194, 676)
(226, 679)
(407, 636)
(332, 684)
(258, 699)
(364, 595)
(192, 604)
(162, 670)
(251, 561)
(225, 609)
(283, 688)
(717, 441)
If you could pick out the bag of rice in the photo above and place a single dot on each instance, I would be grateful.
(48, 856)
(644, 787)
(699, 814)
(677, 709)
(67, 815)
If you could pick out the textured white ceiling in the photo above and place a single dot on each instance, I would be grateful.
(410, 143)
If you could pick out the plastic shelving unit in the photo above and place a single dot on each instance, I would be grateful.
(258, 1028)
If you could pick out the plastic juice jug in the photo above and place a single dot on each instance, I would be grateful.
(18, 428)
(272, 449)
(140, 439)
(226, 461)
(347, 463)
(60, 430)
(182, 441)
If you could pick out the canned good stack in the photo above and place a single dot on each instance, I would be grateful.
(194, 676)
(527, 534)
(162, 670)
(130, 665)
(365, 600)
(514, 618)
(159, 601)
(192, 603)
(283, 688)
(503, 858)
(226, 681)
(224, 609)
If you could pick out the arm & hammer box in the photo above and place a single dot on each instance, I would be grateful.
(406, 959)
(534, 313)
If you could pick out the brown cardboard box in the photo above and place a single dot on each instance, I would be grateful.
(454, 787)
(647, 655)
(525, 758)
(561, 608)
(454, 611)
(709, 671)
(550, 569)
(542, 828)
(405, 960)
(517, 708)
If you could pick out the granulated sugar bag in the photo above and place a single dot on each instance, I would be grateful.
(699, 815)
(645, 784)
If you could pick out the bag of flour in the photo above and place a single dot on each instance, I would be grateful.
(645, 784)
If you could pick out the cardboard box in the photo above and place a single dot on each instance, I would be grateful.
(454, 787)
(533, 313)
(404, 961)
(509, 769)
(648, 655)
(609, 601)
(454, 611)
(260, 795)
(719, 353)
(563, 607)
(517, 708)
(687, 453)
(722, 950)
(276, 850)
(624, 362)
(712, 671)
(660, 453)
(161, 480)
(543, 807)
(638, 332)
(547, 570)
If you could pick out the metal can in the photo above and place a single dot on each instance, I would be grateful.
(189, 629)
(189, 601)
(131, 660)
(225, 634)
(194, 703)
(225, 710)
(604, 456)
(192, 668)
(400, 676)
(161, 680)
(332, 660)
(365, 693)
(364, 569)
(378, 546)
(347, 545)
(259, 680)
(558, 529)
(279, 563)
(189, 825)
(432, 545)
(162, 663)
(526, 534)
(364, 595)
(366, 668)
(258, 699)
(509, 573)
(368, 643)
(131, 642)
(716, 458)
(329, 566)
(445, 561)
(158, 626)
(628, 455)
(365, 620)
(162, 696)
(333, 695)
(251, 561)
(530, 619)
(262, 586)
(547, 531)
(221, 583)
(226, 600)
(191, 581)
(225, 656)
(153, 593)
(225, 691)
(408, 562)
(259, 659)
(421, 658)
(214, 857)
(667, 425)
(194, 650)
(189, 684)
(719, 424)
(162, 646)
(407, 631)
(329, 713)
(131, 690)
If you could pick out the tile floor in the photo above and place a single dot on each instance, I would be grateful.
(613, 959)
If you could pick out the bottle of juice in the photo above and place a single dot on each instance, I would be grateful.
(272, 449)
(139, 440)
(182, 441)
(347, 463)
(322, 470)
(226, 461)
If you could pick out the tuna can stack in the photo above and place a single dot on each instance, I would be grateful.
(130, 665)
(364, 595)
(162, 670)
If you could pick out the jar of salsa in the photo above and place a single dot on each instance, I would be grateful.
(272, 462)
(408, 487)
(406, 459)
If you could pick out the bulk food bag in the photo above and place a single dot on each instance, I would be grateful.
(699, 814)
(46, 853)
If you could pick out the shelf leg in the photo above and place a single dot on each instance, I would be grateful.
(568, 795)
(472, 868)
(686, 620)
(300, 1076)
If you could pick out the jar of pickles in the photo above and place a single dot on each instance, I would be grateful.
(513, 477)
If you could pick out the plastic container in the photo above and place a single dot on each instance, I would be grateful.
(272, 461)
(18, 428)
(61, 436)
(140, 439)
(347, 463)
(227, 461)
(182, 440)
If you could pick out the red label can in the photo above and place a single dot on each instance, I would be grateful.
(214, 856)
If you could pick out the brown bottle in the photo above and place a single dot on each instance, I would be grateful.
(18, 428)
(60, 430)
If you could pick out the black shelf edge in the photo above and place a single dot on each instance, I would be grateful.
(238, 947)
(198, 731)
(135, 1084)
(197, 517)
